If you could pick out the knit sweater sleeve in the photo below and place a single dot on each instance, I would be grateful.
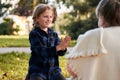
(88, 44)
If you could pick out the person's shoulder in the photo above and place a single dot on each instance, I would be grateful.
(52, 30)
(94, 31)
(33, 31)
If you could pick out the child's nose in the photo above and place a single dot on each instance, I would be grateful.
(49, 18)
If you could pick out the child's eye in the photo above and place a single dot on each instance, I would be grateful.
(51, 16)
(45, 16)
(48, 16)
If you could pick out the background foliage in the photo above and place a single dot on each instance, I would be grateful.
(6, 27)
(80, 19)
(73, 23)
(4, 8)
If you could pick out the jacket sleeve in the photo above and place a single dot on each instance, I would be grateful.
(57, 42)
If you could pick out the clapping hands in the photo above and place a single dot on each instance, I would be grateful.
(64, 43)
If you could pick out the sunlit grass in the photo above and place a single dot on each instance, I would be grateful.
(14, 41)
(63, 66)
(14, 65)
(20, 41)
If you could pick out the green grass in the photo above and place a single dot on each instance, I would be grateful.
(14, 41)
(72, 43)
(14, 65)
(19, 41)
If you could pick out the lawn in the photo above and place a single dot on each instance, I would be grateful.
(14, 65)
(19, 41)
(14, 41)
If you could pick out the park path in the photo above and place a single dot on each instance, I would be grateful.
(15, 49)
(19, 49)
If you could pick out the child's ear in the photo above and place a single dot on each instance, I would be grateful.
(103, 22)
(37, 20)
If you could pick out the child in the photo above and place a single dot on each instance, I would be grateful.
(97, 52)
(45, 46)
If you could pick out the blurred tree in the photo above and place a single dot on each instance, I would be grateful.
(81, 18)
(63, 21)
(6, 27)
(25, 7)
(3, 8)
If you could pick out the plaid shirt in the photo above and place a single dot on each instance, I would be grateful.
(43, 51)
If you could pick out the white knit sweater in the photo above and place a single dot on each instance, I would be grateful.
(96, 56)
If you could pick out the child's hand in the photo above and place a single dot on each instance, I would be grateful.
(67, 40)
(71, 72)
(64, 43)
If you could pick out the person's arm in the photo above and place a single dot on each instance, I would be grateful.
(39, 49)
(62, 45)
(89, 44)
(70, 71)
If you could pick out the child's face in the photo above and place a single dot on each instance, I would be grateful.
(45, 19)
